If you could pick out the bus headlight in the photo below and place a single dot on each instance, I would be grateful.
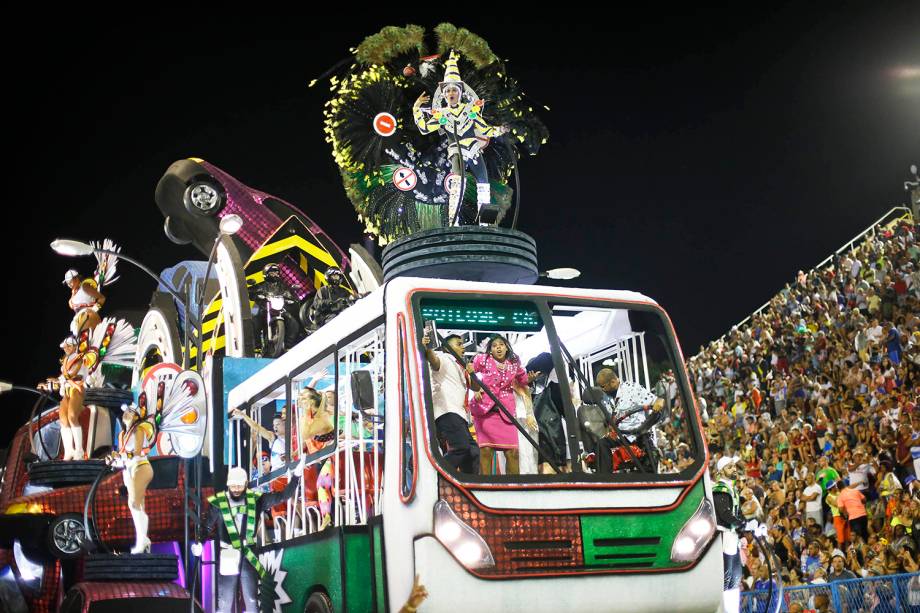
(695, 534)
(462, 541)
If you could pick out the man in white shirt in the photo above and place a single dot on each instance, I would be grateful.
(859, 471)
(812, 497)
(450, 385)
(875, 331)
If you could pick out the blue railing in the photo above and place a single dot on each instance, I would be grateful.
(888, 594)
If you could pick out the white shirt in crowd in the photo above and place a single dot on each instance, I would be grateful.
(813, 506)
(449, 387)
(875, 333)
(859, 477)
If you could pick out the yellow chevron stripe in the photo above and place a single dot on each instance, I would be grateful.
(294, 241)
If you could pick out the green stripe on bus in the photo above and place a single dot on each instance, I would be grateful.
(608, 539)
(358, 567)
(378, 566)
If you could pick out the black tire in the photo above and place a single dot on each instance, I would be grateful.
(133, 567)
(65, 536)
(319, 602)
(108, 397)
(60, 473)
(175, 231)
(469, 253)
(203, 197)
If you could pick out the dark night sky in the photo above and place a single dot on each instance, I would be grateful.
(698, 158)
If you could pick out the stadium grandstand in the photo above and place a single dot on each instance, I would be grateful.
(816, 393)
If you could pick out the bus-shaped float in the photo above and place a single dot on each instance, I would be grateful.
(638, 538)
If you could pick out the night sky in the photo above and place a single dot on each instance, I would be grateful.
(701, 159)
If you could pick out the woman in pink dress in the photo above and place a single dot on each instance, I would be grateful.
(501, 370)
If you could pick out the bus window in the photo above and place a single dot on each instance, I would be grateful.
(313, 390)
(574, 391)
(407, 465)
(261, 427)
(359, 425)
(632, 411)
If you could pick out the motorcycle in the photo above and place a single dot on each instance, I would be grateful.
(273, 309)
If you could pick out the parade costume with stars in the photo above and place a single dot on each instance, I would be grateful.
(401, 164)
(465, 129)
(728, 521)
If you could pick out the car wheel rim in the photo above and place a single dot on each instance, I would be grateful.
(68, 536)
(204, 197)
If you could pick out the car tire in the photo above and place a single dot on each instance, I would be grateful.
(203, 198)
(319, 602)
(65, 536)
(130, 567)
(108, 397)
(59, 473)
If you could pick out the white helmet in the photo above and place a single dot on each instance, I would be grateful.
(237, 476)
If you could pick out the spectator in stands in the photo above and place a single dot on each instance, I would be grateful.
(839, 571)
(835, 361)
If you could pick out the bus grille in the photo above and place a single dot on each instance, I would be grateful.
(529, 544)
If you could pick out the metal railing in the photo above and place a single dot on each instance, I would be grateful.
(888, 594)
(886, 222)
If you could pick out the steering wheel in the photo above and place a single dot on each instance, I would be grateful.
(650, 421)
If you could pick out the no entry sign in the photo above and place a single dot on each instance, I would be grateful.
(384, 124)
(404, 179)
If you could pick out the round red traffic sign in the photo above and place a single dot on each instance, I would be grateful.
(405, 179)
(384, 124)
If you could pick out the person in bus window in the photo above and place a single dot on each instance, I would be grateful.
(277, 457)
(637, 411)
(450, 386)
(318, 431)
(501, 371)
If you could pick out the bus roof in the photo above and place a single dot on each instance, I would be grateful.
(370, 307)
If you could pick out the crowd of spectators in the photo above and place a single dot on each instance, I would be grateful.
(817, 394)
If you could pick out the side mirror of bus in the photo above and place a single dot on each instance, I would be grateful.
(362, 390)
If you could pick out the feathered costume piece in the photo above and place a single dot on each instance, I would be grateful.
(111, 342)
(106, 263)
(395, 175)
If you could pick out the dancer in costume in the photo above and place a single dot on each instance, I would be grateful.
(72, 386)
(729, 521)
(134, 444)
(235, 514)
(318, 431)
(396, 175)
(171, 403)
(85, 297)
(457, 114)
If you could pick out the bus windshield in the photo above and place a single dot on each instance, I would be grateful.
(556, 390)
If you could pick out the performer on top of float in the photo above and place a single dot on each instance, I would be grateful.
(72, 386)
(331, 299)
(172, 403)
(457, 113)
(85, 297)
(134, 444)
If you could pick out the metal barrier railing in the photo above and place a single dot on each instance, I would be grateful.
(886, 221)
(888, 594)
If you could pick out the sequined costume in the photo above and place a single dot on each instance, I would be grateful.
(461, 123)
